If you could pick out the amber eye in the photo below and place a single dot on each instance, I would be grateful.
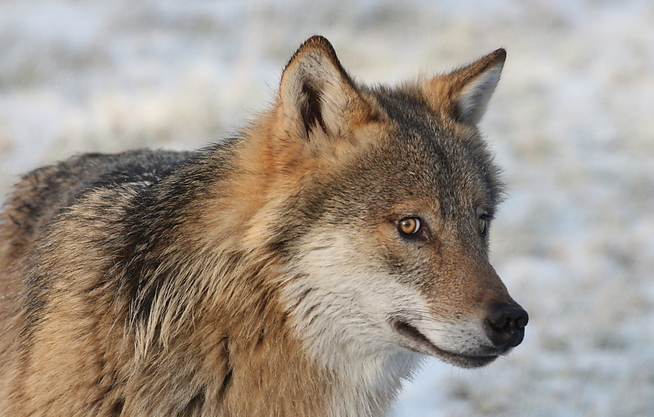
(409, 226)
(483, 225)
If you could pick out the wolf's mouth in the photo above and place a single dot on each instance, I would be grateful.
(419, 343)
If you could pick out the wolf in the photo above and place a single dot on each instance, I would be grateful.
(303, 267)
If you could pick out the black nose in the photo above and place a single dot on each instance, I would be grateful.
(506, 325)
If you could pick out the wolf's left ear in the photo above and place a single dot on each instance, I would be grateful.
(315, 91)
(464, 93)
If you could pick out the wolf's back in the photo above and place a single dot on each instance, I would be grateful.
(43, 192)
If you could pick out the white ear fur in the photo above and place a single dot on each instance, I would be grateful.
(315, 90)
(473, 99)
(463, 94)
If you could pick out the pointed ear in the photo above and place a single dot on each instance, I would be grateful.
(316, 92)
(464, 93)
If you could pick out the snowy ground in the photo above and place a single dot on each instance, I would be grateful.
(572, 123)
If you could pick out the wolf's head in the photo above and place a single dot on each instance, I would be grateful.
(385, 202)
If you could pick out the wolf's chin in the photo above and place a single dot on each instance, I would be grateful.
(419, 343)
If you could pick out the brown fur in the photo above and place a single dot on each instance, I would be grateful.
(163, 283)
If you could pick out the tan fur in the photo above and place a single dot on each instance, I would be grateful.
(212, 286)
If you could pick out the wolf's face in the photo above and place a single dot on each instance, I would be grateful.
(388, 227)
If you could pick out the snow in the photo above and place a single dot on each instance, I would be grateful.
(571, 123)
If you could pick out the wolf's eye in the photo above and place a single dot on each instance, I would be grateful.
(409, 226)
(483, 225)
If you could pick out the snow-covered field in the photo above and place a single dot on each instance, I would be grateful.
(572, 123)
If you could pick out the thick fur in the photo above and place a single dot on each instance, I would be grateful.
(268, 274)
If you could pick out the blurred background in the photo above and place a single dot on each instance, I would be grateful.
(572, 123)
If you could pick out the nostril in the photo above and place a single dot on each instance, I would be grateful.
(522, 319)
(506, 325)
(509, 315)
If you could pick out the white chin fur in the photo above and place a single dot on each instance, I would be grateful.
(341, 309)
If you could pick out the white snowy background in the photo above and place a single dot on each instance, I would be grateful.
(572, 123)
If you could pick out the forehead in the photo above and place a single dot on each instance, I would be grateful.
(424, 156)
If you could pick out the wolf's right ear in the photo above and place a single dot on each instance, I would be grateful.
(316, 94)
(464, 93)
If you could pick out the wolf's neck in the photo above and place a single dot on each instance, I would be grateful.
(282, 374)
(368, 382)
(361, 375)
